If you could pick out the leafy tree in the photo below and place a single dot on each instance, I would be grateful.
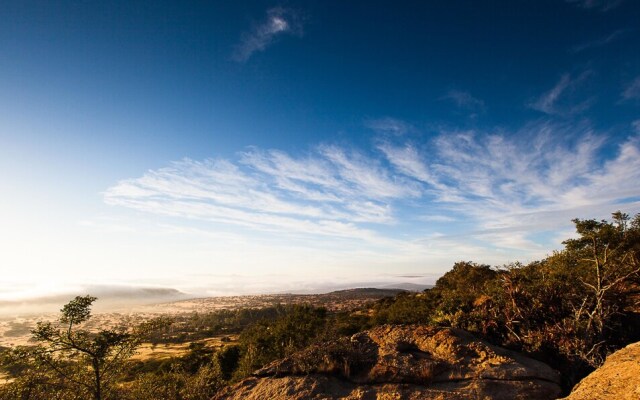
(74, 362)
(457, 294)
(405, 308)
(228, 358)
(607, 256)
(269, 340)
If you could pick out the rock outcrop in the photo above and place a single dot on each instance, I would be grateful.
(402, 362)
(617, 379)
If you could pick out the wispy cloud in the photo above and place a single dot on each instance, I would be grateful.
(632, 91)
(531, 182)
(599, 42)
(557, 101)
(389, 125)
(505, 188)
(547, 102)
(436, 218)
(500, 181)
(599, 5)
(326, 193)
(464, 100)
(279, 21)
(366, 175)
(407, 160)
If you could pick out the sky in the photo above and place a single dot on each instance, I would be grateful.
(249, 147)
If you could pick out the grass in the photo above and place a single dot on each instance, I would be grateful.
(148, 351)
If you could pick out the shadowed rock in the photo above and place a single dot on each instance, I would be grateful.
(402, 362)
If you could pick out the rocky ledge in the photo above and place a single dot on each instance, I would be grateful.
(617, 379)
(402, 362)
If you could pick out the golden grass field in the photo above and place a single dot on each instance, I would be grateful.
(149, 351)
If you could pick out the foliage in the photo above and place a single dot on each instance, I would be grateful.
(197, 326)
(405, 308)
(458, 289)
(269, 340)
(74, 362)
(570, 310)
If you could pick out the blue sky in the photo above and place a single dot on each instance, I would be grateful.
(228, 148)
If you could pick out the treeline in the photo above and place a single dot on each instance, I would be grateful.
(73, 363)
(570, 310)
(199, 326)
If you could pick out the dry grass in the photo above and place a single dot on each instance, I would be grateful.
(163, 351)
(4, 378)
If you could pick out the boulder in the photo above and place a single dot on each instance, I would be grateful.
(402, 362)
(618, 378)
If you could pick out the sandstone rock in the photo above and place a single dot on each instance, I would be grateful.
(618, 378)
(402, 362)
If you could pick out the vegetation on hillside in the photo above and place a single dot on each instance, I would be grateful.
(570, 310)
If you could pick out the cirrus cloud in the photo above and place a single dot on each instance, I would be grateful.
(279, 21)
(632, 91)
(482, 191)
(599, 5)
(560, 99)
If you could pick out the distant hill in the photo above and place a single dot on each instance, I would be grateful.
(411, 287)
(338, 300)
(109, 297)
(359, 293)
(169, 300)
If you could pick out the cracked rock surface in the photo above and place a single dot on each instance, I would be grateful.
(402, 362)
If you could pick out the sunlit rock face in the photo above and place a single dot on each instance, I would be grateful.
(617, 379)
(402, 362)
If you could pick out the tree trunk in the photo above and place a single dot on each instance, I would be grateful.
(97, 390)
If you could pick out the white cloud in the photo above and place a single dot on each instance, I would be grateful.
(436, 218)
(326, 193)
(279, 21)
(506, 190)
(464, 100)
(367, 176)
(407, 160)
(602, 41)
(546, 103)
(389, 125)
(632, 91)
(556, 101)
(514, 187)
(599, 5)
(534, 183)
